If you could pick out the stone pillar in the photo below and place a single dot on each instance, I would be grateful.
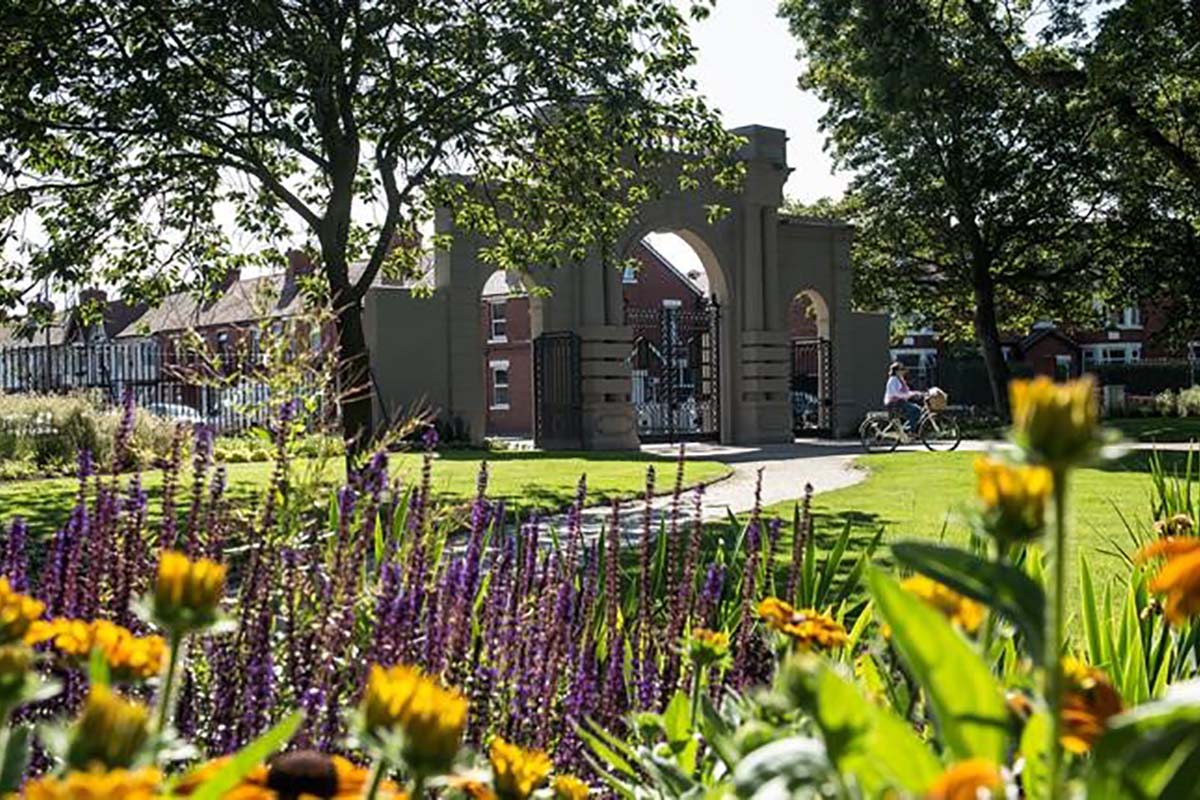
(763, 414)
(608, 417)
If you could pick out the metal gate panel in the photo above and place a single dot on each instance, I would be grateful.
(558, 394)
(812, 387)
(675, 365)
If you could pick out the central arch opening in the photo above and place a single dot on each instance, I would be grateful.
(673, 291)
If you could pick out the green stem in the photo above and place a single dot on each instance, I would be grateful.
(1054, 642)
(377, 773)
(697, 683)
(168, 684)
(417, 790)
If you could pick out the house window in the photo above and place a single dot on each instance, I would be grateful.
(1194, 351)
(499, 370)
(1129, 317)
(223, 347)
(1063, 368)
(1123, 353)
(629, 275)
(498, 331)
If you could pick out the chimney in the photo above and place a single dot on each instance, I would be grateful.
(92, 296)
(300, 264)
(228, 279)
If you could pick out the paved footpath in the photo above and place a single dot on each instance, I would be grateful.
(827, 465)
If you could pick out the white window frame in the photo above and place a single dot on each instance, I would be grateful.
(1100, 354)
(493, 336)
(1128, 318)
(495, 367)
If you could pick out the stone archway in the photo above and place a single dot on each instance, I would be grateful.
(757, 261)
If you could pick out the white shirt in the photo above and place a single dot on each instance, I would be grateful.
(896, 390)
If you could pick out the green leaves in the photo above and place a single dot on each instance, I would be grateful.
(247, 759)
(862, 739)
(1007, 590)
(965, 698)
(1151, 751)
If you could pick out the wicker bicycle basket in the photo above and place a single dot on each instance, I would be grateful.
(936, 399)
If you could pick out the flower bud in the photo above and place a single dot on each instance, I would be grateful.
(187, 593)
(1056, 424)
(109, 732)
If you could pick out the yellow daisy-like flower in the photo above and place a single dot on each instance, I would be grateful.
(1014, 498)
(118, 784)
(431, 717)
(300, 774)
(1089, 700)
(707, 647)
(17, 613)
(187, 593)
(962, 611)
(110, 732)
(129, 657)
(805, 627)
(516, 772)
(1057, 424)
(1179, 578)
(568, 787)
(973, 779)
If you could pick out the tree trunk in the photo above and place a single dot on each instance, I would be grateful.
(354, 379)
(987, 334)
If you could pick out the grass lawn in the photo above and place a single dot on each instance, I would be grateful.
(1158, 429)
(523, 479)
(919, 495)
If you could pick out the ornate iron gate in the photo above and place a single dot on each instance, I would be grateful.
(676, 371)
(558, 422)
(812, 387)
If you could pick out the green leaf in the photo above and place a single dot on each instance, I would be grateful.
(98, 674)
(965, 698)
(862, 739)
(1006, 589)
(16, 758)
(248, 758)
(1090, 615)
(613, 752)
(1153, 750)
(781, 768)
(677, 720)
(1034, 738)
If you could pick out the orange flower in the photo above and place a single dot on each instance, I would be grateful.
(516, 772)
(302, 774)
(806, 627)
(1089, 699)
(962, 611)
(129, 657)
(17, 613)
(1179, 578)
(1056, 424)
(119, 784)
(974, 779)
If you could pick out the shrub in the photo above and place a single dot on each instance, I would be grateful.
(1188, 402)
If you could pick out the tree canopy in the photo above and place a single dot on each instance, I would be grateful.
(145, 143)
(973, 194)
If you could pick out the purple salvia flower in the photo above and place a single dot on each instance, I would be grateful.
(388, 607)
(125, 428)
(167, 532)
(671, 565)
(743, 667)
(131, 557)
(615, 702)
(215, 515)
(644, 650)
(16, 560)
(709, 601)
(430, 437)
(801, 529)
(612, 589)
(201, 460)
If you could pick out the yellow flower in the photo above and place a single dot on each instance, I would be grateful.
(1089, 700)
(431, 717)
(568, 787)
(1179, 578)
(974, 779)
(806, 627)
(516, 772)
(707, 647)
(17, 613)
(187, 593)
(109, 732)
(1178, 525)
(962, 611)
(1013, 498)
(129, 657)
(302, 774)
(119, 784)
(1057, 424)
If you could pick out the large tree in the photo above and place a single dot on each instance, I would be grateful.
(1133, 67)
(144, 143)
(972, 194)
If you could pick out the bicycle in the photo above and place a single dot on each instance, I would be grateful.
(883, 431)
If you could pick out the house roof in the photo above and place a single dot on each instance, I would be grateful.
(699, 284)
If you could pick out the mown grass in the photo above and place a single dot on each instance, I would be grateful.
(524, 480)
(920, 495)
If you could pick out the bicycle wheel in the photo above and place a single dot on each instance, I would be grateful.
(939, 432)
(878, 436)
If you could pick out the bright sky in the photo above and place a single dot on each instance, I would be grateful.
(747, 68)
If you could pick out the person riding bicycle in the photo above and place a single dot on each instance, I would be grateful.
(898, 398)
